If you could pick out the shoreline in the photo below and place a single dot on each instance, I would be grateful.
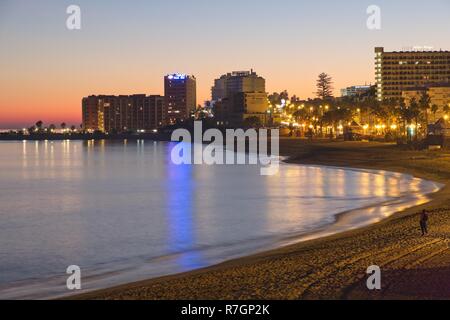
(343, 221)
(85, 137)
(249, 277)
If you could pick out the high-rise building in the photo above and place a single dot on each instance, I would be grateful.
(239, 95)
(108, 113)
(92, 114)
(180, 96)
(396, 71)
(235, 82)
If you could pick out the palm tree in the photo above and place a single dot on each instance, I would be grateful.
(329, 119)
(424, 105)
(63, 125)
(414, 114)
(446, 108)
(434, 110)
(336, 116)
(300, 114)
(403, 112)
(344, 114)
(380, 110)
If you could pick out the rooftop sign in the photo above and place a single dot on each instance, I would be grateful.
(177, 76)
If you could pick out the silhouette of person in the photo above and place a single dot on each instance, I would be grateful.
(424, 222)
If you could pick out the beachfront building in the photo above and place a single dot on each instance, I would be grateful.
(354, 91)
(108, 113)
(396, 71)
(439, 96)
(235, 110)
(239, 95)
(180, 91)
(236, 82)
(92, 114)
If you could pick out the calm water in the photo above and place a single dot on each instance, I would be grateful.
(123, 212)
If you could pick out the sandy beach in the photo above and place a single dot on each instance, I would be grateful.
(413, 267)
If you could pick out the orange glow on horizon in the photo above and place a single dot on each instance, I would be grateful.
(46, 69)
(58, 99)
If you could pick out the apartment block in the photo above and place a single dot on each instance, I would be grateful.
(396, 71)
(108, 113)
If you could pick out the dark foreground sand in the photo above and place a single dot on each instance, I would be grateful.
(333, 267)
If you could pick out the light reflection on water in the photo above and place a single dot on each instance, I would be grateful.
(181, 225)
(123, 212)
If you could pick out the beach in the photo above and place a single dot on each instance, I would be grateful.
(334, 267)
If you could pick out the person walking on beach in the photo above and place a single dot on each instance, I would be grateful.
(424, 222)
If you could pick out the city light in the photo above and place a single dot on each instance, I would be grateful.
(177, 76)
(129, 169)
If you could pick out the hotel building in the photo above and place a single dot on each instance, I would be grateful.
(354, 91)
(180, 96)
(397, 71)
(235, 82)
(239, 95)
(110, 114)
(439, 96)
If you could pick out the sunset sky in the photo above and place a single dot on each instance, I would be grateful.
(126, 47)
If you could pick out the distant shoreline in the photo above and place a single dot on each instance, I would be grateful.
(85, 137)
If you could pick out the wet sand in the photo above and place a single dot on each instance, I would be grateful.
(413, 267)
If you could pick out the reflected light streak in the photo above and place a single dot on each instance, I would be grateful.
(181, 238)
